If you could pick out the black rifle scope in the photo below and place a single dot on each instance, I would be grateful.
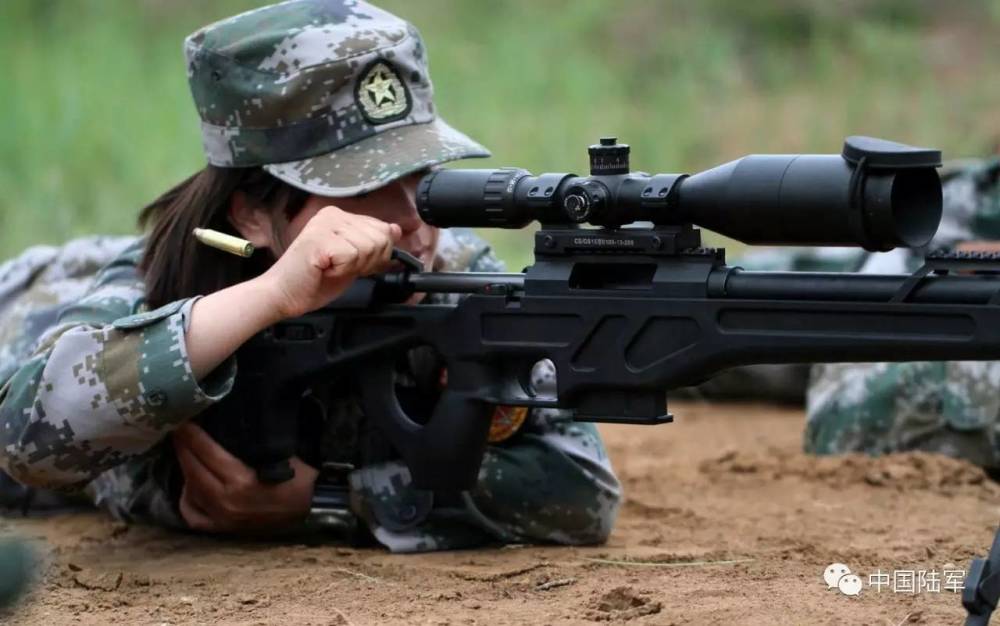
(877, 194)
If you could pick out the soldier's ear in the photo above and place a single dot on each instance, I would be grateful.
(253, 223)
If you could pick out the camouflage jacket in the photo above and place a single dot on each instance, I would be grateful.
(92, 384)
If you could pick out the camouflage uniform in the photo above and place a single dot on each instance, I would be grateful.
(333, 97)
(91, 402)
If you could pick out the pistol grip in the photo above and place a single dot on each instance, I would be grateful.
(444, 453)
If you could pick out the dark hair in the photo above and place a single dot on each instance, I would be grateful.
(175, 265)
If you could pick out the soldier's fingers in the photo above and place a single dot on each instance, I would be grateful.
(392, 233)
(375, 256)
(385, 255)
(213, 457)
(197, 477)
(390, 230)
(193, 515)
(368, 241)
(340, 258)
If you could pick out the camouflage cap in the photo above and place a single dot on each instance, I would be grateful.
(331, 96)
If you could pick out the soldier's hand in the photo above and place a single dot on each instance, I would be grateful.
(333, 249)
(223, 494)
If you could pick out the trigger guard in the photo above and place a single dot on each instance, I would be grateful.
(379, 382)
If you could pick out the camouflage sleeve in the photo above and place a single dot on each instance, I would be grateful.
(103, 385)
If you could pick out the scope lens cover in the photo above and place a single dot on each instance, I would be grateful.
(881, 153)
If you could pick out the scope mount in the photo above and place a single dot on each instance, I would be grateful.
(658, 241)
(582, 200)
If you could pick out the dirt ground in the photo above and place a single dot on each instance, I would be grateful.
(724, 522)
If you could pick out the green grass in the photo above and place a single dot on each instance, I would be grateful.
(96, 119)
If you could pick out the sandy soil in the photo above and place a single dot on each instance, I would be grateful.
(725, 522)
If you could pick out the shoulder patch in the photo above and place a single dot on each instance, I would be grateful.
(507, 420)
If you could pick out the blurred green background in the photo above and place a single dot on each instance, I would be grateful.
(96, 119)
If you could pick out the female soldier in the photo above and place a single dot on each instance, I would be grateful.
(304, 105)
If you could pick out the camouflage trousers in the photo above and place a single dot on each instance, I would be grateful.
(952, 408)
